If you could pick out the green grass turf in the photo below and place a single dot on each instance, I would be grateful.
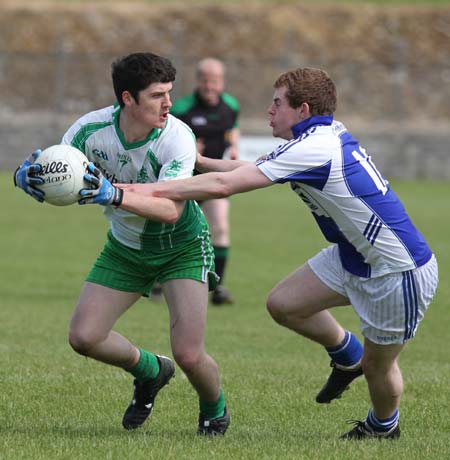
(55, 404)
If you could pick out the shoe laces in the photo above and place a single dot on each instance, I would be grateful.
(355, 422)
(359, 425)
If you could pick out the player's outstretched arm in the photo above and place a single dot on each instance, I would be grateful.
(25, 177)
(104, 193)
(153, 208)
(205, 164)
(205, 186)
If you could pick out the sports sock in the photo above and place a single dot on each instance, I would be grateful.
(348, 353)
(382, 425)
(147, 367)
(221, 255)
(215, 409)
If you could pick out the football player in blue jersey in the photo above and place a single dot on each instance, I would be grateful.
(378, 261)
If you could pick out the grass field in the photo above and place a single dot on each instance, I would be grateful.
(55, 404)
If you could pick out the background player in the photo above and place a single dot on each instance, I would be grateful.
(379, 262)
(213, 116)
(138, 141)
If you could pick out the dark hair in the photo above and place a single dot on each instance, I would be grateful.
(313, 86)
(137, 71)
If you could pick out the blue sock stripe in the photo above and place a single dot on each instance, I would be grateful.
(348, 352)
(341, 346)
(384, 424)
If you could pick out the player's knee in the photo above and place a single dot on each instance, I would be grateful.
(188, 359)
(373, 367)
(274, 306)
(82, 342)
(282, 311)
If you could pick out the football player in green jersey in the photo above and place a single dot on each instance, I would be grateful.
(138, 141)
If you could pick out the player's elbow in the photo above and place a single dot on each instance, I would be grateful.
(222, 188)
(171, 217)
(174, 213)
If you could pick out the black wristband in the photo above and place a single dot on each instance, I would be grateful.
(118, 197)
(14, 177)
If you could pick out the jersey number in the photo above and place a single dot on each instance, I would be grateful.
(372, 171)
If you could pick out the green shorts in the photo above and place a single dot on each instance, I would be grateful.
(125, 269)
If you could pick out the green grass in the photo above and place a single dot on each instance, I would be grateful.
(55, 404)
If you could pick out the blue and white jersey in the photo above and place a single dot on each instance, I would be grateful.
(352, 203)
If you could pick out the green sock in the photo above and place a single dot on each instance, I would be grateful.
(147, 367)
(214, 409)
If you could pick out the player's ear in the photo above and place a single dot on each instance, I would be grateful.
(127, 98)
(303, 111)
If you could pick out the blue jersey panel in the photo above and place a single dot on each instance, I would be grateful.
(350, 200)
(366, 183)
(315, 177)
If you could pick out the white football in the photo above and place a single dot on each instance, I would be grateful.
(63, 168)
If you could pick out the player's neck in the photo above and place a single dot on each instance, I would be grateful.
(132, 130)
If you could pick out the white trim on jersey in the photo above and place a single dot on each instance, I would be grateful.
(350, 200)
(166, 154)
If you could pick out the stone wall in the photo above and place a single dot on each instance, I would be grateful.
(391, 64)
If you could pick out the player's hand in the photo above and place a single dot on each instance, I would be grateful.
(26, 178)
(102, 191)
(200, 145)
(233, 152)
(199, 161)
(265, 157)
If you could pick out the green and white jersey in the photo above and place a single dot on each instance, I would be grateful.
(166, 154)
